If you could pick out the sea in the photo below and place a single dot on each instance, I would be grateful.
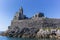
(11, 38)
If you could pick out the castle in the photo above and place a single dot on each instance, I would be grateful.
(22, 26)
(37, 21)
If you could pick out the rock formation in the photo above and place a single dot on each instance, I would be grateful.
(22, 26)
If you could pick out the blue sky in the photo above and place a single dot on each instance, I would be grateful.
(8, 8)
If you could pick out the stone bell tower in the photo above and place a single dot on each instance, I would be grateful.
(21, 11)
(19, 15)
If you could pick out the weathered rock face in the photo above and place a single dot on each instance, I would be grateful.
(23, 26)
(25, 32)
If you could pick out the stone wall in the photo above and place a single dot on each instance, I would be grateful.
(36, 23)
(22, 25)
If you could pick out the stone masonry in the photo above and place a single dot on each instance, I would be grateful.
(37, 21)
(22, 26)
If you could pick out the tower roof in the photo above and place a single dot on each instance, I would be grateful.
(21, 8)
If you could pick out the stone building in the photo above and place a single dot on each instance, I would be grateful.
(38, 15)
(37, 21)
(22, 26)
(19, 15)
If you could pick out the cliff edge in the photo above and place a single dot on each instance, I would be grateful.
(22, 26)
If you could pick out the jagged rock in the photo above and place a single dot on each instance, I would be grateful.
(22, 26)
(58, 33)
(53, 31)
(43, 33)
(29, 32)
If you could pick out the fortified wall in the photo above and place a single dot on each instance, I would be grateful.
(37, 21)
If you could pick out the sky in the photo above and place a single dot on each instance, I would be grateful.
(8, 8)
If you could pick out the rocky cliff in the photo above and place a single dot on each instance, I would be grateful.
(23, 26)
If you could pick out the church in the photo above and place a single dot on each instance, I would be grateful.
(22, 26)
(37, 21)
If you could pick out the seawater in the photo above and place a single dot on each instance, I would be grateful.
(11, 38)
